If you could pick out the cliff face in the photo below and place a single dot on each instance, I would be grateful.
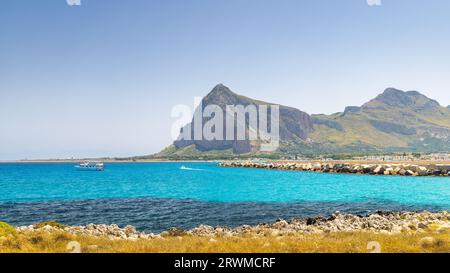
(394, 121)
(293, 123)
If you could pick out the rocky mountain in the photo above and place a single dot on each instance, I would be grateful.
(293, 123)
(394, 121)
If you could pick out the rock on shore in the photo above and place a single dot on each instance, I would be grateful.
(111, 231)
(350, 168)
(381, 222)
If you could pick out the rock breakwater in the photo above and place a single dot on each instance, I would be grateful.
(350, 168)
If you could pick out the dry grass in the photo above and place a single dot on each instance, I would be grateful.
(248, 243)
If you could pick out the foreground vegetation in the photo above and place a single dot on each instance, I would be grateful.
(59, 241)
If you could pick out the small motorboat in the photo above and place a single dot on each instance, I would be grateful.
(90, 166)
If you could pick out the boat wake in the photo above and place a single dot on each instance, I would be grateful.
(189, 169)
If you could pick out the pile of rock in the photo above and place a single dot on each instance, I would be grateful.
(381, 222)
(111, 231)
(350, 168)
(378, 222)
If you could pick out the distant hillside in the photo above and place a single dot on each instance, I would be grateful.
(394, 121)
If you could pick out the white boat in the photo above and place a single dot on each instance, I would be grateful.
(90, 166)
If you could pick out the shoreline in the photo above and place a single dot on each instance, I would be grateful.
(278, 161)
(237, 162)
(392, 231)
(388, 222)
(106, 161)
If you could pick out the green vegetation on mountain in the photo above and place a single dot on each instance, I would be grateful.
(395, 121)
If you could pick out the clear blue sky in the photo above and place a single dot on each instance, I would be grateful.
(100, 79)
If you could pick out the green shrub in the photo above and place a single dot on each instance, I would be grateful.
(49, 223)
(6, 229)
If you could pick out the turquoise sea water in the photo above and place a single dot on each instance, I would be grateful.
(31, 192)
(208, 182)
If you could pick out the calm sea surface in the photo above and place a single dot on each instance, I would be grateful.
(156, 196)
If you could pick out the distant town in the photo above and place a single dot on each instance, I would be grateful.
(404, 157)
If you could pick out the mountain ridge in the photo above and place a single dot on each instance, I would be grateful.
(393, 121)
(293, 122)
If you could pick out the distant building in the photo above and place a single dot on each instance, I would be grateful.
(406, 157)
